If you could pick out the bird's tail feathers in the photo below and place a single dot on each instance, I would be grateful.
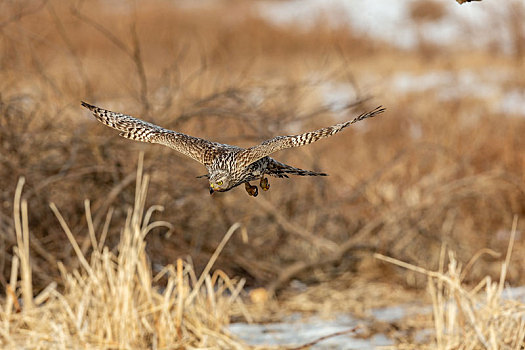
(281, 170)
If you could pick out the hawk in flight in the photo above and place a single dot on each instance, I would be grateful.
(228, 166)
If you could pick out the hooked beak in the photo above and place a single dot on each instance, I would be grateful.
(211, 190)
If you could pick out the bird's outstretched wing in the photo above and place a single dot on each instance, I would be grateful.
(278, 143)
(203, 151)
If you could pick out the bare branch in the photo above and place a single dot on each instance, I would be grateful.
(23, 13)
(133, 53)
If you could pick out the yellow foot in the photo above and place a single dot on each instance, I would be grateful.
(252, 190)
(264, 184)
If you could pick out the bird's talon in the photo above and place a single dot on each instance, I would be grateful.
(252, 190)
(265, 185)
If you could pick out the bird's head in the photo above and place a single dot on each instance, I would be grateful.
(219, 181)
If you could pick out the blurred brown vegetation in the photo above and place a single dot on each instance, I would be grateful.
(427, 11)
(221, 73)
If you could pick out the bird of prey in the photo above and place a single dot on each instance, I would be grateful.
(228, 166)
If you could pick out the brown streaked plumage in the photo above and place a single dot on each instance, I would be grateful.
(228, 166)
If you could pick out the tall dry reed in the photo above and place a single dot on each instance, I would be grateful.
(114, 300)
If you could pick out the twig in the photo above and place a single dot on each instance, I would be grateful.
(324, 243)
(35, 245)
(23, 13)
(475, 258)
(110, 197)
(212, 260)
(318, 340)
(70, 236)
(139, 64)
(72, 50)
(133, 53)
(292, 270)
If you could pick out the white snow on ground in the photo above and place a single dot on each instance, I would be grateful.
(488, 84)
(451, 85)
(448, 85)
(513, 103)
(477, 24)
(337, 95)
(298, 331)
(484, 25)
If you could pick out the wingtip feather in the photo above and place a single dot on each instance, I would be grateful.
(87, 105)
(370, 114)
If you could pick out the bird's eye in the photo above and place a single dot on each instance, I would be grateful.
(219, 183)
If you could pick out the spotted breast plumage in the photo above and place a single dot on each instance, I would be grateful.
(228, 166)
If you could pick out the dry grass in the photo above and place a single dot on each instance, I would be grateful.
(485, 316)
(114, 300)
